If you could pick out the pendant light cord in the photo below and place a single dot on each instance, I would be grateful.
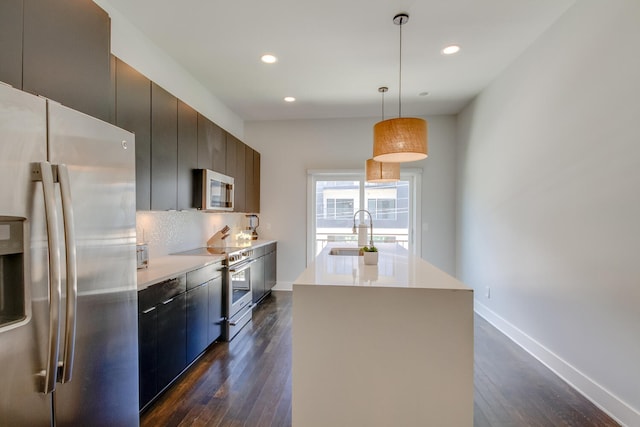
(400, 76)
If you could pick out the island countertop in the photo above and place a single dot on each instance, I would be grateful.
(396, 268)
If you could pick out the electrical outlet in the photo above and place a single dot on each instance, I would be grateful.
(488, 292)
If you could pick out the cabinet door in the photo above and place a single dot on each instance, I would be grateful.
(231, 142)
(197, 321)
(187, 153)
(133, 106)
(240, 181)
(172, 339)
(270, 270)
(66, 54)
(257, 279)
(216, 321)
(147, 359)
(220, 151)
(11, 42)
(256, 182)
(248, 177)
(164, 149)
(210, 145)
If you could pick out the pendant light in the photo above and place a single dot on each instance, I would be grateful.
(403, 139)
(379, 171)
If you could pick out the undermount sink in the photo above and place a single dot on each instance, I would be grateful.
(345, 251)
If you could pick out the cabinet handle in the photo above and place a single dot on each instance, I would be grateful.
(148, 310)
(167, 301)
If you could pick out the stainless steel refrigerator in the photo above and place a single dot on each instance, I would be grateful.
(68, 300)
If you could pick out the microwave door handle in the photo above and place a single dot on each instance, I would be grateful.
(72, 275)
(43, 172)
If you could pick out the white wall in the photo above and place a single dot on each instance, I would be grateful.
(549, 201)
(289, 148)
(134, 48)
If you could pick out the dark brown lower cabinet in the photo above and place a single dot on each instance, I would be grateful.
(257, 280)
(177, 320)
(216, 320)
(161, 336)
(270, 269)
(197, 321)
(148, 363)
(172, 335)
(263, 272)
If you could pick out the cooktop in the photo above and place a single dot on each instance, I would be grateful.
(211, 251)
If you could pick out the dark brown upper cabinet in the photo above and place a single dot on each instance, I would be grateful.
(255, 197)
(133, 113)
(248, 177)
(252, 176)
(11, 42)
(187, 154)
(164, 149)
(211, 145)
(66, 54)
(240, 181)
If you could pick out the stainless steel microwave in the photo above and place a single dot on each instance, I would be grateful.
(213, 191)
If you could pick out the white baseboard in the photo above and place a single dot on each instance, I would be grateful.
(283, 286)
(601, 397)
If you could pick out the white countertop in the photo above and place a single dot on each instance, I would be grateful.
(396, 268)
(170, 266)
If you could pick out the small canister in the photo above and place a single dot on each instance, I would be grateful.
(142, 255)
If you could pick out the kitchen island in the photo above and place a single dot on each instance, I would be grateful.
(381, 345)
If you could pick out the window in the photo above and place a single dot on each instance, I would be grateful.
(382, 208)
(335, 197)
(339, 208)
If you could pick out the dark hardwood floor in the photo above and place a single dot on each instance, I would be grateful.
(248, 382)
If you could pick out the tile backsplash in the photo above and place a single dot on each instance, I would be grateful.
(173, 231)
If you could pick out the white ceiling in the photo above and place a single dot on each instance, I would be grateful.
(334, 54)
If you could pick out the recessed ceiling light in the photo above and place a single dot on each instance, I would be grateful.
(268, 59)
(450, 50)
(289, 98)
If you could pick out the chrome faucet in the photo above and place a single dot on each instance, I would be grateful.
(370, 224)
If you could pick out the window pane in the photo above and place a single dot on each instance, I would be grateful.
(388, 203)
(336, 203)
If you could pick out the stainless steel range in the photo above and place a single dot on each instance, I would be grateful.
(239, 305)
(237, 287)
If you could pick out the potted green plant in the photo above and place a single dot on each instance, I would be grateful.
(370, 254)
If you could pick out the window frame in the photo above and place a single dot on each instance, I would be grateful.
(413, 175)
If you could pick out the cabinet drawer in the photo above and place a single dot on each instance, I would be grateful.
(155, 294)
(202, 275)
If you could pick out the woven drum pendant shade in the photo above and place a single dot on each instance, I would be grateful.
(402, 139)
(382, 172)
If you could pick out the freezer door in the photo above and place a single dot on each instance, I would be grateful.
(100, 159)
(23, 343)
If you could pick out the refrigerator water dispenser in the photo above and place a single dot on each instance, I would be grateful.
(12, 306)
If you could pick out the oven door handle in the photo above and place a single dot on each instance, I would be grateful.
(237, 321)
(241, 267)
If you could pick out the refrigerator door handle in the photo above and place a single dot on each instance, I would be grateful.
(43, 172)
(72, 276)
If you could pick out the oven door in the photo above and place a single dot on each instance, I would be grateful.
(239, 298)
